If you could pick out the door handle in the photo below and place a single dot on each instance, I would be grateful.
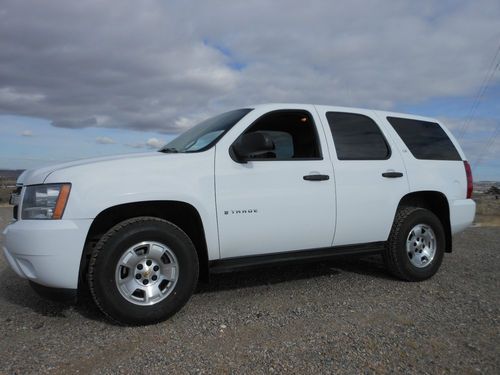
(392, 174)
(316, 177)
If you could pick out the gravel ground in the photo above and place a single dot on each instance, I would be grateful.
(344, 316)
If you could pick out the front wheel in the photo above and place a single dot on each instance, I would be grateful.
(415, 248)
(142, 271)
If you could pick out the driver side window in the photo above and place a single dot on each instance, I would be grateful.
(293, 133)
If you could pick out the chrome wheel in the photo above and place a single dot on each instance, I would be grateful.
(421, 245)
(146, 273)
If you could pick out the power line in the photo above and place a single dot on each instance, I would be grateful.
(489, 144)
(480, 93)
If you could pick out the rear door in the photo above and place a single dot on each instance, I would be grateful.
(282, 200)
(369, 172)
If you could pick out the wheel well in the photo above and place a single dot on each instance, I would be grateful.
(435, 202)
(182, 214)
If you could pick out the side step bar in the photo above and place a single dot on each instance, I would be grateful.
(299, 256)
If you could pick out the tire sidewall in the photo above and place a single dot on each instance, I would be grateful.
(421, 216)
(103, 281)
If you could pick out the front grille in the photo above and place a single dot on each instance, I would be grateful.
(15, 199)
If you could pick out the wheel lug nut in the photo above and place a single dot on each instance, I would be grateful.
(148, 262)
(156, 268)
(145, 282)
(138, 276)
(139, 266)
(154, 277)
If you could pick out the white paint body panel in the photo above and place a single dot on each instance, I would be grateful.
(47, 252)
(98, 184)
(154, 176)
(292, 214)
(356, 205)
(447, 177)
(366, 201)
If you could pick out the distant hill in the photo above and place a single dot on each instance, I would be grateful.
(10, 174)
(487, 182)
(483, 186)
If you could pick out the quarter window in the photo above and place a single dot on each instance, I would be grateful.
(425, 139)
(357, 137)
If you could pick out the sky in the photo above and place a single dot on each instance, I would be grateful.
(90, 78)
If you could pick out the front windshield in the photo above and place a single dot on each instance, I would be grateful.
(206, 133)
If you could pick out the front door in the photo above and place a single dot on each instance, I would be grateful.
(282, 200)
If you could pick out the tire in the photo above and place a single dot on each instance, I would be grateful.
(142, 271)
(409, 253)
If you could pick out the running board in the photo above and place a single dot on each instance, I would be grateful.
(299, 256)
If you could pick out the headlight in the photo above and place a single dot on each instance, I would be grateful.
(45, 201)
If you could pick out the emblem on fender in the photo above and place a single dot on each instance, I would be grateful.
(238, 212)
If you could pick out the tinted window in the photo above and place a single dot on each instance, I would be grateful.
(357, 137)
(293, 133)
(425, 140)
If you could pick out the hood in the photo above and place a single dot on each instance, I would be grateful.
(39, 175)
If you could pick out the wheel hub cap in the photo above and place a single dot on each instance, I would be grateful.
(146, 273)
(421, 245)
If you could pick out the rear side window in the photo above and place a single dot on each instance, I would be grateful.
(425, 139)
(357, 137)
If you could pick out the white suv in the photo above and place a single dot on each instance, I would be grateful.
(254, 186)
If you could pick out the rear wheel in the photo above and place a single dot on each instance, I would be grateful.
(416, 244)
(142, 271)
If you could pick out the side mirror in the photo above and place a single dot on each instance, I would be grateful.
(251, 144)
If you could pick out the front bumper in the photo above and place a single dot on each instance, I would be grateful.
(47, 252)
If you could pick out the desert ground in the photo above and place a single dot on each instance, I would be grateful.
(487, 209)
(346, 315)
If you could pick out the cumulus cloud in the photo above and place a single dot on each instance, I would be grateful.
(152, 143)
(157, 65)
(113, 64)
(136, 145)
(105, 140)
(476, 137)
(27, 133)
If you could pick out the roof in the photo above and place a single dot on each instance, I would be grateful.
(382, 113)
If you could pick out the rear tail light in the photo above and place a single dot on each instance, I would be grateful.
(468, 173)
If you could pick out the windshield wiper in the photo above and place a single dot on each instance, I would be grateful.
(169, 150)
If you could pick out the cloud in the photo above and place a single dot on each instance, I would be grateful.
(136, 145)
(475, 136)
(105, 140)
(154, 143)
(27, 133)
(471, 128)
(156, 65)
(75, 123)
